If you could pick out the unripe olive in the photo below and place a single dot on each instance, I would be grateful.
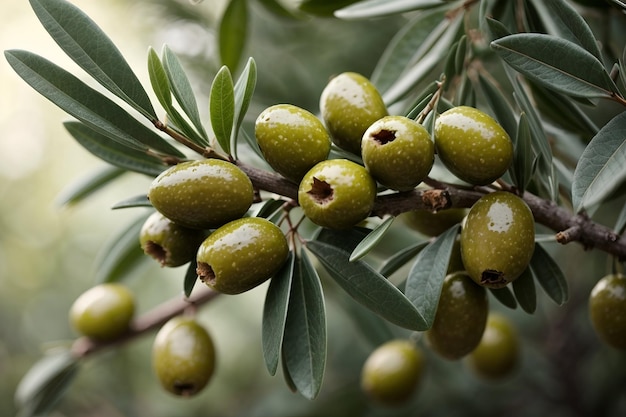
(169, 243)
(460, 318)
(472, 145)
(183, 356)
(241, 255)
(607, 310)
(433, 223)
(337, 194)
(202, 194)
(292, 140)
(392, 372)
(497, 354)
(103, 312)
(498, 239)
(398, 152)
(349, 104)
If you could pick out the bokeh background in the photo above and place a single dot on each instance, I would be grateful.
(48, 252)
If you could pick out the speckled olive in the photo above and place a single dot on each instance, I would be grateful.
(433, 223)
(349, 104)
(498, 239)
(337, 194)
(392, 372)
(460, 318)
(170, 244)
(202, 194)
(291, 139)
(103, 312)
(497, 354)
(183, 356)
(607, 310)
(398, 152)
(241, 255)
(472, 145)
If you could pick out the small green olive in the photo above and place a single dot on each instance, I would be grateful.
(337, 194)
(460, 319)
(167, 242)
(433, 223)
(497, 354)
(183, 356)
(202, 194)
(398, 152)
(241, 255)
(349, 104)
(498, 239)
(392, 372)
(472, 145)
(103, 312)
(607, 310)
(291, 139)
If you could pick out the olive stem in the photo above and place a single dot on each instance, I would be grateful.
(149, 321)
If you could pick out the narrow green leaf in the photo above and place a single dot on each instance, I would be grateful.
(573, 71)
(244, 89)
(378, 8)
(304, 339)
(88, 185)
(371, 239)
(505, 296)
(561, 19)
(602, 166)
(421, 101)
(367, 286)
(136, 201)
(496, 28)
(121, 253)
(84, 103)
(346, 240)
(620, 224)
(191, 277)
(547, 272)
(499, 104)
(423, 285)
(524, 290)
(268, 208)
(449, 68)
(222, 107)
(459, 58)
(114, 153)
(275, 313)
(323, 7)
(83, 41)
(181, 88)
(413, 40)
(45, 382)
(401, 258)
(233, 30)
(523, 159)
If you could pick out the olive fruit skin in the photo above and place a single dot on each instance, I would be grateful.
(392, 372)
(607, 310)
(291, 139)
(497, 239)
(202, 194)
(337, 194)
(398, 152)
(497, 354)
(170, 244)
(349, 104)
(183, 356)
(460, 318)
(241, 255)
(431, 223)
(103, 312)
(472, 145)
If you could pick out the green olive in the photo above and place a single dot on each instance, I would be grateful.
(607, 310)
(498, 239)
(291, 139)
(497, 354)
(202, 194)
(183, 356)
(472, 145)
(241, 255)
(392, 372)
(460, 318)
(103, 312)
(433, 223)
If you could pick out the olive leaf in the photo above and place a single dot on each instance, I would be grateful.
(243, 90)
(524, 290)
(547, 272)
(141, 200)
(524, 159)
(368, 9)
(222, 107)
(191, 277)
(499, 104)
(505, 296)
(88, 185)
(371, 240)
(233, 29)
(401, 258)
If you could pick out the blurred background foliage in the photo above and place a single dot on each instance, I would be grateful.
(48, 252)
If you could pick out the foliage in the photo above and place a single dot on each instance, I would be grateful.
(477, 53)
